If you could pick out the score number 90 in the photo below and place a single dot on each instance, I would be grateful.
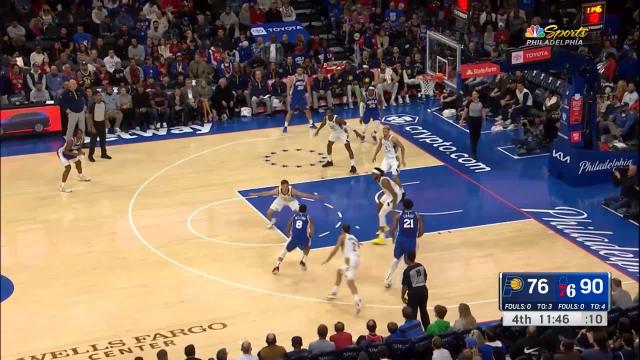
(587, 286)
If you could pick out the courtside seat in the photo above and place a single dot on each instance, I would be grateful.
(372, 350)
(350, 353)
(330, 355)
(401, 349)
(454, 342)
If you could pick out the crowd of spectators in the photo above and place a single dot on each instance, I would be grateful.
(464, 340)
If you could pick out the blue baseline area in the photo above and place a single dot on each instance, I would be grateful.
(522, 183)
(446, 201)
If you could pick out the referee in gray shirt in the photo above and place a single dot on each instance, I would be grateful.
(474, 117)
(97, 127)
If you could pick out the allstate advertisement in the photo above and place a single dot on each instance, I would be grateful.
(291, 28)
(581, 167)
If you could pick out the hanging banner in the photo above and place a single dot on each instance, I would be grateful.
(575, 110)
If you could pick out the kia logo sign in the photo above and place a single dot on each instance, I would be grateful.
(561, 156)
(400, 119)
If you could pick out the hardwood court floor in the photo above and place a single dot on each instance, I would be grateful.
(112, 270)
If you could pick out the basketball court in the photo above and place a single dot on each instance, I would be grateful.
(165, 246)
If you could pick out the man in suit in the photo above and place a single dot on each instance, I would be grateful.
(190, 98)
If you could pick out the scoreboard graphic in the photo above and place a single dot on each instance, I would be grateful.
(554, 299)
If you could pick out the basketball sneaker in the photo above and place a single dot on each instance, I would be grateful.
(358, 305)
(328, 164)
(387, 284)
(312, 126)
(275, 270)
(381, 239)
(64, 189)
(83, 177)
(353, 170)
(303, 265)
(332, 295)
(271, 223)
(284, 130)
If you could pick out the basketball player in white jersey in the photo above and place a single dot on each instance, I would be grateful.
(339, 132)
(389, 144)
(350, 247)
(298, 92)
(285, 196)
(370, 112)
(70, 153)
(390, 198)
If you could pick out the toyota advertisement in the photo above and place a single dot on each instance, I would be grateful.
(35, 119)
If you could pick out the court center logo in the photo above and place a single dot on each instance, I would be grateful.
(400, 119)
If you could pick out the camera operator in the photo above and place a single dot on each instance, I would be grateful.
(533, 135)
(625, 178)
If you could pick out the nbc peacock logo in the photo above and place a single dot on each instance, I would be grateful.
(534, 31)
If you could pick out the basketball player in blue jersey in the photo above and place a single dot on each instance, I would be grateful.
(299, 231)
(298, 90)
(406, 228)
(69, 153)
(371, 110)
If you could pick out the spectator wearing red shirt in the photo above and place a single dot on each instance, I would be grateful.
(257, 15)
(341, 338)
(501, 37)
(610, 68)
(17, 80)
(360, 16)
(372, 337)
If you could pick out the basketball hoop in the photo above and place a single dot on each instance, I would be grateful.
(429, 81)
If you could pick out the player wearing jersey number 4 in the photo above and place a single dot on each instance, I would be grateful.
(389, 144)
(285, 196)
(299, 231)
(298, 90)
(339, 132)
(391, 196)
(406, 228)
(350, 247)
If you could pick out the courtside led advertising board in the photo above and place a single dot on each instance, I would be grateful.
(554, 299)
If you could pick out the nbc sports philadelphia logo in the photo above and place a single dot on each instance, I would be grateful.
(553, 35)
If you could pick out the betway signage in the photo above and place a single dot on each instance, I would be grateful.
(447, 148)
(479, 70)
(580, 167)
(577, 225)
(526, 56)
(157, 134)
(291, 28)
